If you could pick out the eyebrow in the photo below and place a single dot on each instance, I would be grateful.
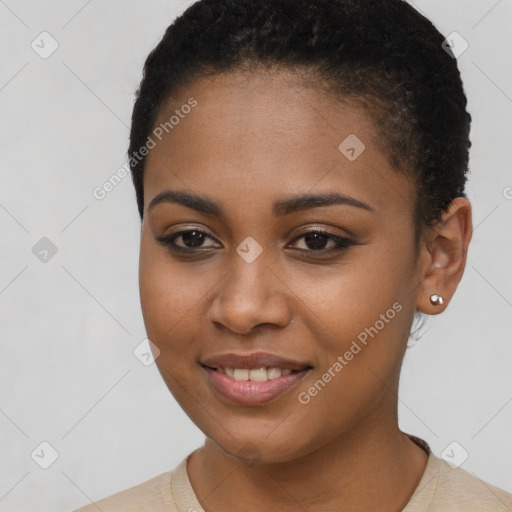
(280, 208)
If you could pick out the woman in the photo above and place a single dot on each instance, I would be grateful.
(299, 169)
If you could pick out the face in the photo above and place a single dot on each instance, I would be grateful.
(328, 286)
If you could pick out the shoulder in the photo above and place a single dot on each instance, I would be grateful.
(448, 489)
(153, 495)
(469, 491)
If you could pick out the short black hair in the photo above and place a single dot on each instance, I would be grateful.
(382, 55)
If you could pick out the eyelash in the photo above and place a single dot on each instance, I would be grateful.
(342, 243)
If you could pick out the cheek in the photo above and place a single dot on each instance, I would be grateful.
(361, 318)
(349, 297)
(360, 337)
(165, 292)
(173, 296)
(168, 297)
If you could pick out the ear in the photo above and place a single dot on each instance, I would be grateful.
(443, 256)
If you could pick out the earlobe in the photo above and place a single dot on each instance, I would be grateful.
(445, 253)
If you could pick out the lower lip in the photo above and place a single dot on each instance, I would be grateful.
(246, 392)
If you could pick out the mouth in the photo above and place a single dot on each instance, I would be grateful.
(252, 379)
(252, 386)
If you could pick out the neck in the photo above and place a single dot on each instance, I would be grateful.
(375, 467)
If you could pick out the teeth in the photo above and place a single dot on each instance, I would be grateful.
(241, 374)
(254, 375)
(274, 373)
(258, 375)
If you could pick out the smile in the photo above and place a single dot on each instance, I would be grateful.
(243, 386)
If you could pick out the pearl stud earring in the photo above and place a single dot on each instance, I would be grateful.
(436, 300)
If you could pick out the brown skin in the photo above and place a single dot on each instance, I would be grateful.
(252, 140)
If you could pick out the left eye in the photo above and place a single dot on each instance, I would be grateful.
(319, 239)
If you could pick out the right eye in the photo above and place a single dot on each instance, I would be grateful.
(191, 238)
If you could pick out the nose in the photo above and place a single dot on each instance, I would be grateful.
(250, 294)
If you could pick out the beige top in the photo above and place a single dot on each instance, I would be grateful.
(441, 489)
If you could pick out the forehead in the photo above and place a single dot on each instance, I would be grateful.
(264, 133)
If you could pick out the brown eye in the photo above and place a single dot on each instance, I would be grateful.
(192, 239)
(316, 241)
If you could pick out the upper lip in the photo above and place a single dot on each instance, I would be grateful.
(252, 361)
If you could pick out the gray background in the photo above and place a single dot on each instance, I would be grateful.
(68, 375)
